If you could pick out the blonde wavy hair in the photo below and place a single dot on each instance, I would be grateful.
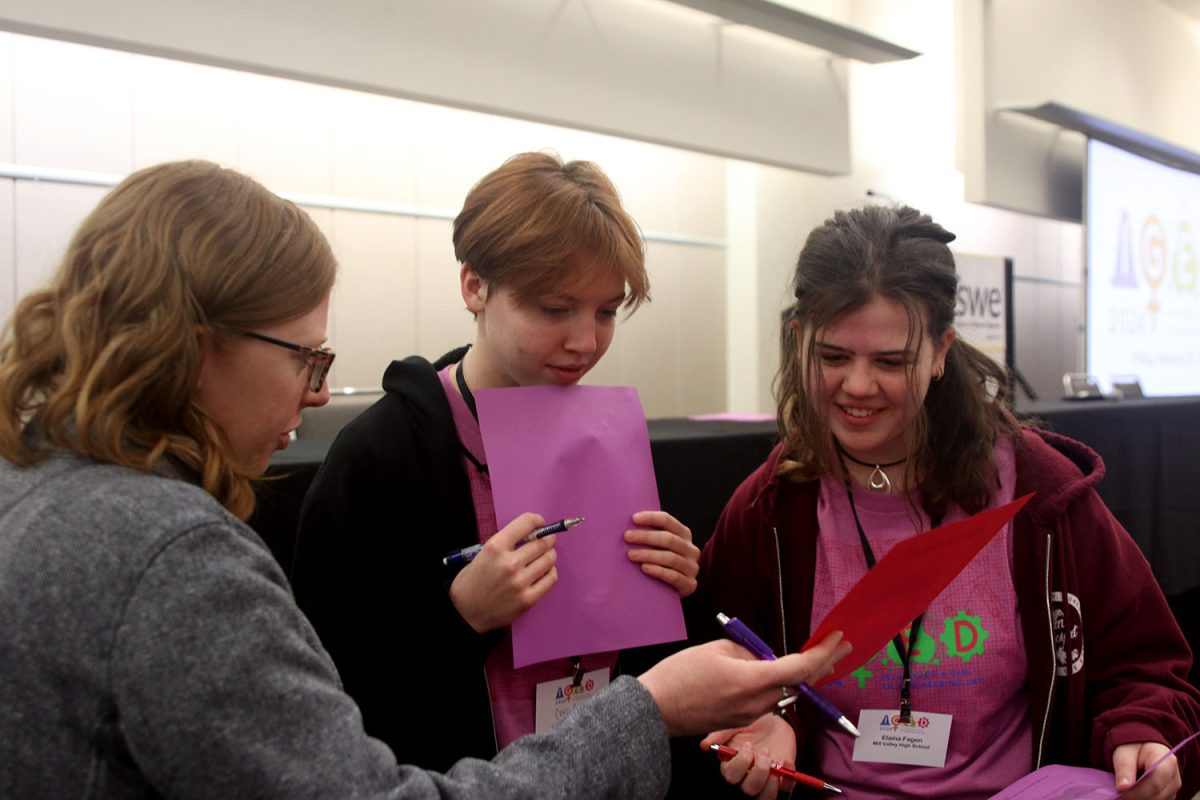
(103, 361)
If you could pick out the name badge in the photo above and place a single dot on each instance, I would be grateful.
(886, 740)
(555, 699)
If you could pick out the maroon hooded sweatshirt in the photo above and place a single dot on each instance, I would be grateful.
(1121, 679)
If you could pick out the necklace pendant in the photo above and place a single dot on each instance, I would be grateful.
(879, 481)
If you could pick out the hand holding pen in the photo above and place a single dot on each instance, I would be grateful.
(467, 554)
(507, 577)
(735, 629)
(726, 753)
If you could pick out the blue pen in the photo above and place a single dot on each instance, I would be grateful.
(465, 555)
(735, 629)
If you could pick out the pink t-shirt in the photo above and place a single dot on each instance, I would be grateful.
(969, 660)
(512, 691)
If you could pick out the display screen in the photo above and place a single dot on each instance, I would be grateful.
(1143, 297)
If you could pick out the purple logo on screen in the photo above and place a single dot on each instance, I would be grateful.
(1124, 275)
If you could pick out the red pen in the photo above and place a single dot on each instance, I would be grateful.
(725, 753)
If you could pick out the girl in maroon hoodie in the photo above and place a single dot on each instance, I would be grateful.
(1053, 645)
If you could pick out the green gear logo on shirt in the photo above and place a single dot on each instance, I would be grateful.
(964, 636)
(923, 653)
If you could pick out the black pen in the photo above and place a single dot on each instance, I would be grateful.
(465, 555)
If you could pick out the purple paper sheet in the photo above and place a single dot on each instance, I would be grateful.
(1057, 782)
(579, 451)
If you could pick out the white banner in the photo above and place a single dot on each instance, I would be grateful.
(982, 311)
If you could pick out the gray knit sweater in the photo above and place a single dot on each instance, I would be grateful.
(150, 646)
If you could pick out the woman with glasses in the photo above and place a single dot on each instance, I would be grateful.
(149, 643)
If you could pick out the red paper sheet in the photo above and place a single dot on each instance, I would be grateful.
(888, 598)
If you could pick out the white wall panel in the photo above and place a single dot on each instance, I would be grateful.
(183, 111)
(648, 341)
(1133, 63)
(666, 189)
(458, 148)
(650, 72)
(285, 133)
(8, 245)
(47, 215)
(398, 288)
(323, 218)
(1046, 322)
(1129, 62)
(701, 363)
(7, 122)
(72, 106)
(8, 267)
(375, 147)
(444, 322)
(376, 310)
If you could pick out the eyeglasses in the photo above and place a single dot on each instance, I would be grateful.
(317, 359)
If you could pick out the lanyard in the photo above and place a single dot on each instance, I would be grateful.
(905, 653)
(467, 396)
(469, 399)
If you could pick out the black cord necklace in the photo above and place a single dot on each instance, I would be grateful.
(878, 480)
(469, 398)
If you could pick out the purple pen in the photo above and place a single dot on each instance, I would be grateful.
(735, 629)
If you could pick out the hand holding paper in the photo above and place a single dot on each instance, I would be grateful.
(580, 451)
(887, 598)
(666, 551)
(1160, 779)
(1158, 766)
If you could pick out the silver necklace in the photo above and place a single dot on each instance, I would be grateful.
(878, 481)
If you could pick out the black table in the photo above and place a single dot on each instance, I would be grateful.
(698, 463)
(1151, 448)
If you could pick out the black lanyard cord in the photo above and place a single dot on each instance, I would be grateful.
(905, 653)
(467, 395)
(469, 399)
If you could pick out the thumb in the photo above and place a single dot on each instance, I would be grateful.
(514, 532)
(1125, 766)
(814, 663)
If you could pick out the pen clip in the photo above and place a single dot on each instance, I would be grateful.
(905, 702)
(577, 666)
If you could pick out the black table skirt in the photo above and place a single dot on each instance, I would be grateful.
(1151, 452)
(1151, 449)
(698, 464)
